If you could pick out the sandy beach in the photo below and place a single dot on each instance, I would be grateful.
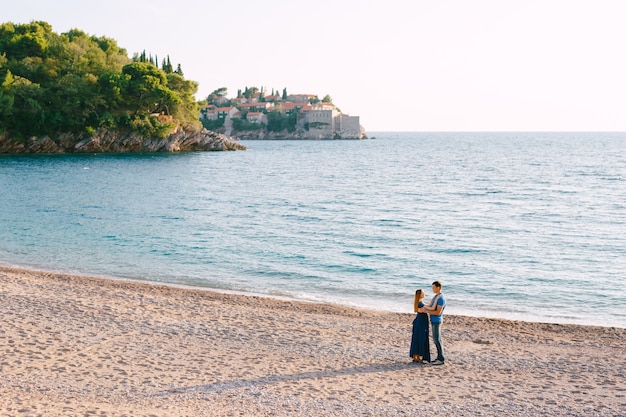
(82, 346)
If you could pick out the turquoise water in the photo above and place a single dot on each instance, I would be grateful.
(525, 226)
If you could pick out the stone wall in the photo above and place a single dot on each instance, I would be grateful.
(297, 135)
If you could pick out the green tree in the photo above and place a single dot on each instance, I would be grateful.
(144, 88)
(113, 86)
(213, 124)
(21, 41)
(27, 113)
(327, 99)
(277, 121)
(243, 125)
(84, 56)
(6, 97)
(250, 92)
(219, 93)
(167, 66)
(274, 121)
(73, 82)
(183, 105)
(74, 103)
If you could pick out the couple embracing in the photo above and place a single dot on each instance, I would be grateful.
(420, 345)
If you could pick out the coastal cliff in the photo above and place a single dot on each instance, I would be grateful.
(114, 141)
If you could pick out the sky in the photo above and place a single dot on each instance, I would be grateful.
(401, 65)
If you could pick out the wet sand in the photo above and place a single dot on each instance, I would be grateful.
(85, 346)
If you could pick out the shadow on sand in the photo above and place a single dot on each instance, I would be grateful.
(274, 379)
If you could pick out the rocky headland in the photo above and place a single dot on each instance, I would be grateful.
(115, 141)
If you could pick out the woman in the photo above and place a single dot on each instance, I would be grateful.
(420, 347)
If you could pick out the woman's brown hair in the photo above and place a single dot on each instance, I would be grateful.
(419, 294)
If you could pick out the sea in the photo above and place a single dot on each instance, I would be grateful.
(522, 226)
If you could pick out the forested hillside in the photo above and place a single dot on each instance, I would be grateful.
(76, 83)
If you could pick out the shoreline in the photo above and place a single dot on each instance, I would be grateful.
(191, 287)
(83, 345)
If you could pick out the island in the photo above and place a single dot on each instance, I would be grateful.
(253, 114)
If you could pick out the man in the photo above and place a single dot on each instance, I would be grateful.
(435, 311)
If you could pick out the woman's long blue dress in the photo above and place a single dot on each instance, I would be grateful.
(419, 342)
